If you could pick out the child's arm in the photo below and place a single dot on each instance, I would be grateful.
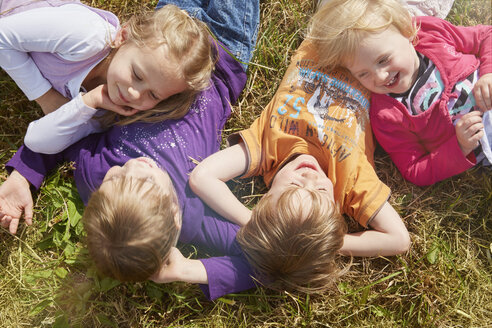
(51, 100)
(15, 199)
(59, 129)
(71, 32)
(208, 180)
(179, 268)
(388, 236)
(71, 122)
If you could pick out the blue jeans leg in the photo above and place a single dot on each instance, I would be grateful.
(233, 22)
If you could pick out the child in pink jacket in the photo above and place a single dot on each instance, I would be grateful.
(431, 83)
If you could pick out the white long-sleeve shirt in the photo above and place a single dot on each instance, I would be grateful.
(72, 32)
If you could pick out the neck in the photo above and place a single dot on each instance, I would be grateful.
(97, 75)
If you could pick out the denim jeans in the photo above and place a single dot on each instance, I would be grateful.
(233, 22)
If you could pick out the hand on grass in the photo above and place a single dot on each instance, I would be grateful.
(482, 91)
(179, 268)
(469, 130)
(99, 98)
(171, 270)
(15, 198)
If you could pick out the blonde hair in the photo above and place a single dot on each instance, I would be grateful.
(291, 248)
(188, 43)
(339, 27)
(131, 230)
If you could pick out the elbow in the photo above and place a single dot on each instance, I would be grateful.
(39, 143)
(197, 177)
(402, 242)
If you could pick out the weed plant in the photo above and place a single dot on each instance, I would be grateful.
(47, 280)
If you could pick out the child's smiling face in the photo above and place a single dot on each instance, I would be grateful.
(141, 77)
(386, 62)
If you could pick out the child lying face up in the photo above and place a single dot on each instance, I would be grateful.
(314, 147)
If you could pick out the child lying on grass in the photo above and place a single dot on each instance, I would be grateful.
(77, 63)
(134, 177)
(314, 147)
(432, 83)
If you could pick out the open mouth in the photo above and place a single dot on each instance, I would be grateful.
(393, 81)
(308, 165)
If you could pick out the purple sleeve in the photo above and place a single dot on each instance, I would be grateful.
(227, 274)
(33, 166)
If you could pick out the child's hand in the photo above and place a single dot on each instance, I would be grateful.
(482, 91)
(469, 130)
(99, 98)
(179, 268)
(15, 198)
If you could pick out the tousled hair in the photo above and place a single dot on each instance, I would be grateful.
(291, 248)
(188, 43)
(130, 231)
(339, 26)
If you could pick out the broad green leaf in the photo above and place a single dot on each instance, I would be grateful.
(40, 307)
(61, 272)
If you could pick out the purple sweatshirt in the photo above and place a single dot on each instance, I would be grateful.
(173, 144)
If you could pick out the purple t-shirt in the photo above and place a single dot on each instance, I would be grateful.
(174, 144)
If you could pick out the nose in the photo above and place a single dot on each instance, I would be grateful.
(134, 92)
(381, 75)
(309, 178)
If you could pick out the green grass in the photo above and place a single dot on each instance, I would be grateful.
(445, 280)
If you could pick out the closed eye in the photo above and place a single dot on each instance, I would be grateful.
(383, 60)
(136, 75)
(153, 96)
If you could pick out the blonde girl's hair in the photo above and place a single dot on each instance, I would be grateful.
(131, 230)
(188, 42)
(339, 26)
(291, 248)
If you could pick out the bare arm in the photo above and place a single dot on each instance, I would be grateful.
(388, 236)
(208, 180)
(51, 101)
(179, 268)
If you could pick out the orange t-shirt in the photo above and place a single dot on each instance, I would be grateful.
(325, 114)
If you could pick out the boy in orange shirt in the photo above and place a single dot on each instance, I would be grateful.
(314, 147)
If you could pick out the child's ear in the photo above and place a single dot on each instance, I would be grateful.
(121, 37)
(177, 219)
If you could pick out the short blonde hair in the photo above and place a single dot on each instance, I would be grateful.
(339, 27)
(130, 232)
(189, 44)
(291, 248)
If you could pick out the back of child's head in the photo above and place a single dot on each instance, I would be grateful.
(131, 228)
(188, 43)
(339, 26)
(293, 246)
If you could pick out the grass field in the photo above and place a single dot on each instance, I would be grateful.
(445, 280)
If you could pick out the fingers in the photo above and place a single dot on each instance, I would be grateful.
(482, 91)
(14, 223)
(28, 214)
(125, 111)
(469, 131)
